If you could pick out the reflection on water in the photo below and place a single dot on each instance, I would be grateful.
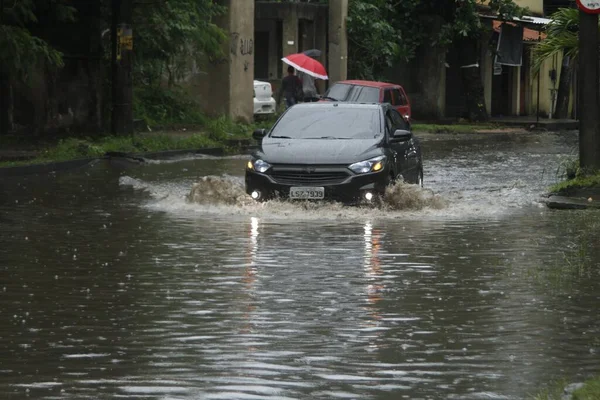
(114, 286)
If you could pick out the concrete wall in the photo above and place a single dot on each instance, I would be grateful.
(224, 86)
(338, 41)
(545, 85)
(300, 23)
(536, 7)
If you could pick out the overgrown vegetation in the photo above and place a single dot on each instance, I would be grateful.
(574, 177)
(76, 148)
(579, 182)
(22, 50)
(590, 391)
(172, 37)
(213, 132)
(160, 107)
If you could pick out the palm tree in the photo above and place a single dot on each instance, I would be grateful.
(562, 38)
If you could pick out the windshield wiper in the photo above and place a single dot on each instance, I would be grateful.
(281, 137)
(329, 98)
(328, 137)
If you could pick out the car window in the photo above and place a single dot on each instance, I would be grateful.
(339, 91)
(389, 124)
(399, 122)
(329, 123)
(394, 96)
(387, 96)
(365, 94)
(401, 98)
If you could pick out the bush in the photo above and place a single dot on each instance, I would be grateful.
(160, 107)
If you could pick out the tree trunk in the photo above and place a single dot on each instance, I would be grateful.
(471, 78)
(94, 67)
(564, 89)
(429, 73)
(6, 104)
(122, 61)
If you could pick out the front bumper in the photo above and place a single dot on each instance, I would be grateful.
(350, 189)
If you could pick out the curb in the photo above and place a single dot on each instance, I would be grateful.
(165, 155)
(45, 168)
(137, 158)
(571, 203)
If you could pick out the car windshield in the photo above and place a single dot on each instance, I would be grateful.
(365, 94)
(338, 91)
(329, 123)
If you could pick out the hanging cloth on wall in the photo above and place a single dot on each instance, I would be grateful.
(510, 46)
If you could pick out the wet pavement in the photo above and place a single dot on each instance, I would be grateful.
(114, 285)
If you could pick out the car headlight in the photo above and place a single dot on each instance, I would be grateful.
(373, 165)
(259, 166)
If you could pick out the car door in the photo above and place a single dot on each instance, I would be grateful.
(400, 102)
(387, 96)
(407, 151)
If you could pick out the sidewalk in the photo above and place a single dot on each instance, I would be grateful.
(545, 123)
(16, 155)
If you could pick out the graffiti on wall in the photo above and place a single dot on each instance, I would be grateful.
(245, 46)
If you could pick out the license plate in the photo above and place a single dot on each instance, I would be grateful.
(307, 193)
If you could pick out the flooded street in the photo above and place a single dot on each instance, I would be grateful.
(113, 285)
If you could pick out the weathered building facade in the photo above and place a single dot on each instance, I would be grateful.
(433, 79)
(260, 34)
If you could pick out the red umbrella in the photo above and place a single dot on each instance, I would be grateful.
(306, 64)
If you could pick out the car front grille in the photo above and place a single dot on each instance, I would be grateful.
(309, 176)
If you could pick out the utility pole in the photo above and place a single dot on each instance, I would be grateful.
(3, 106)
(122, 61)
(589, 123)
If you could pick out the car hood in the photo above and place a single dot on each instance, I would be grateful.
(318, 151)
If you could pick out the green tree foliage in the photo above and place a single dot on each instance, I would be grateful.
(373, 41)
(562, 37)
(171, 33)
(169, 37)
(20, 49)
(383, 31)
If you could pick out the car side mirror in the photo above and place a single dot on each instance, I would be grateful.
(402, 135)
(259, 134)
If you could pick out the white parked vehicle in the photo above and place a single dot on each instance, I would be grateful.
(264, 103)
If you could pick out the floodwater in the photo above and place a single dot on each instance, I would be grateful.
(113, 285)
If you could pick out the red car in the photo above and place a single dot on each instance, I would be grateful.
(355, 91)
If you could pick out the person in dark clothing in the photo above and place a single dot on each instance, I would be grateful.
(291, 86)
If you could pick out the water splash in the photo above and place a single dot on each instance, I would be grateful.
(219, 190)
(402, 196)
(134, 183)
(229, 191)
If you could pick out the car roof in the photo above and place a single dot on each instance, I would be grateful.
(368, 83)
(342, 105)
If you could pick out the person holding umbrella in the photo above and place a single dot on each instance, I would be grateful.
(291, 88)
(308, 81)
(310, 69)
(309, 90)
